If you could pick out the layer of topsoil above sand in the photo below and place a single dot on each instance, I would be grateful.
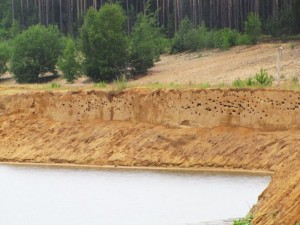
(254, 130)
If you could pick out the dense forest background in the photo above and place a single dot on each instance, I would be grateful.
(277, 16)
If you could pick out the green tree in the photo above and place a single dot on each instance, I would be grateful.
(104, 42)
(36, 51)
(253, 28)
(70, 62)
(146, 43)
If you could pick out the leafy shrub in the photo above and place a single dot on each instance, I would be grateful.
(178, 41)
(197, 39)
(36, 51)
(4, 57)
(245, 221)
(104, 42)
(70, 63)
(190, 40)
(205, 37)
(263, 78)
(225, 38)
(243, 39)
(147, 43)
(253, 28)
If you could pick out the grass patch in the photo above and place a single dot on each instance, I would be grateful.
(261, 79)
(54, 85)
(201, 86)
(158, 85)
(120, 83)
(101, 84)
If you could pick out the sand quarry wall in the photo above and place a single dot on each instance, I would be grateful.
(259, 109)
(229, 129)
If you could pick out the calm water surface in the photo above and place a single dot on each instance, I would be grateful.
(47, 196)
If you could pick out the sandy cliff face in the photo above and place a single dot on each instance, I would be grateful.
(232, 129)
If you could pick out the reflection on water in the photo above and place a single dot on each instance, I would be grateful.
(45, 196)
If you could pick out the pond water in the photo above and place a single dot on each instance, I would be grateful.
(52, 196)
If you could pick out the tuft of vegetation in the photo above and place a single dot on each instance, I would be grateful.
(293, 45)
(295, 80)
(70, 62)
(55, 85)
(238, 83)
(35, 51)
(263, 78)
(121, 83)
(101, 84)
(104, 42)
(178, 42)
(245, 221)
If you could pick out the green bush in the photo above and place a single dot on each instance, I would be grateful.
(225, 38)
(253, 28)
(147, 43)
(35, 51)
(243, 39)
(4, 57)
(205, 37)
(263, 78)
(190, 40)
(104, 42)
(70, 63)
(185, 27)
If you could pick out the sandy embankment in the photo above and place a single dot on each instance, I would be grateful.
(220, 129)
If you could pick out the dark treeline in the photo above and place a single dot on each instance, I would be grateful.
(215, 14)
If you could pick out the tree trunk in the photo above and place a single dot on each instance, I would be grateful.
(60, 16)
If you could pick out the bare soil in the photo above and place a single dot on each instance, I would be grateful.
(216, 67)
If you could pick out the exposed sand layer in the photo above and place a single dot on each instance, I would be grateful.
(225, 129)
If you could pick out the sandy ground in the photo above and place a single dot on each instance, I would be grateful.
(216, 67)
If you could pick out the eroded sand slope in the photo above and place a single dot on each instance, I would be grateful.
(230, 129)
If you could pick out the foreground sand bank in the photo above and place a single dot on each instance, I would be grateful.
(243, 130)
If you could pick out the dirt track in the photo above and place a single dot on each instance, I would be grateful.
(230, 129)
